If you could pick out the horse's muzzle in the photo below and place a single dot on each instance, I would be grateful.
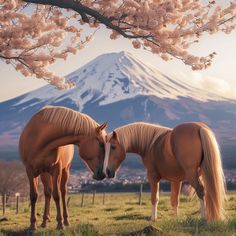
(99, 175)
(110, 173)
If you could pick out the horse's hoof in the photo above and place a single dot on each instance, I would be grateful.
(60, 226)
(44, 225)
(66, 223)
(153, 219)
(32, 227)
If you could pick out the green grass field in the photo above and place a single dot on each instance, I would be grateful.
(121, 215)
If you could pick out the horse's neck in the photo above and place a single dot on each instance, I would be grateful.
(83, 129)
(53, 134)
(61, 141)
(82, 126)
(136, 141)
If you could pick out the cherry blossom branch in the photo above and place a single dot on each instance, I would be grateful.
(51, 31)
(136, 15)
(32, 41)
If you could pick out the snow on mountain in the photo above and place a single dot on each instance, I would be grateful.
(114, 77)
(119, 88)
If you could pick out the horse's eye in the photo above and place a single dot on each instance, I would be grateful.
(113, 147)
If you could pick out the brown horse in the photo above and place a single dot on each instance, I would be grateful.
(45, 150)
(187, 152)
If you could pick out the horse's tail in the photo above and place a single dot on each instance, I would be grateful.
(213, 176)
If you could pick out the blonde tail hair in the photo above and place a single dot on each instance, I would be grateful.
(213, 176)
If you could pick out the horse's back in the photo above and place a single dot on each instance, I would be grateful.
(29, 136)
(189, 127)
(35, 136)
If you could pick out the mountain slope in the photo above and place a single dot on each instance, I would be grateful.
(114, 77)
(119, 88)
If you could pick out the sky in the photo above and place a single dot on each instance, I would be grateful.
(220, 77)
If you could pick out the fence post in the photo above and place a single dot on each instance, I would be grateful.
(103, 198)
(94, 194)
(140, 194)
(82, 200)
(17, 202)
(4, 198)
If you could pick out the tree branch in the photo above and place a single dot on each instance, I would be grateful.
(84, 11)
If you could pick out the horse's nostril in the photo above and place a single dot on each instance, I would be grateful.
(110, 173)
(99, 175)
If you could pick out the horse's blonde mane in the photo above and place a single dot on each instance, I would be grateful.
(141, 135)
(70, 120)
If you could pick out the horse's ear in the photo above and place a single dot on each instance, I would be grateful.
(101, 127)
(114, 134)
(110, 136)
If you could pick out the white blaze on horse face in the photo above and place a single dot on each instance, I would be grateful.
(107, 153)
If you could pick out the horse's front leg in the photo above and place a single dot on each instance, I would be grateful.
(174, 198)
(154, 185)
(56, 180)
(33, 181)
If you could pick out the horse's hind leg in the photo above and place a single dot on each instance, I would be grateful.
(192, 177)
(154, 185)
(56, 180)
(174, 198)
(33, 181)
(47, 183)
(64, 179)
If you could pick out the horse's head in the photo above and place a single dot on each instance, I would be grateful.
(92, 151)
(115, 155)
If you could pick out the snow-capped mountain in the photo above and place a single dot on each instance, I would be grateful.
(119, 88)
(114, 77)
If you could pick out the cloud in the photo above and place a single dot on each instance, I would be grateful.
(209, 83)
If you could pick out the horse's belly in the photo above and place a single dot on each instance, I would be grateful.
(41, 163)
(171, 170)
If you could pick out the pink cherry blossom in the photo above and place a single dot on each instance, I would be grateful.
(34, 36)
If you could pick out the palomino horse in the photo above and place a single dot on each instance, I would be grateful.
(187, 152)
(45, 148)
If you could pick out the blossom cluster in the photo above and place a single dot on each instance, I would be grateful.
(166, 27)
(32, 39)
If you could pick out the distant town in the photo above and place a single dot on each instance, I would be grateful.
(126, 178)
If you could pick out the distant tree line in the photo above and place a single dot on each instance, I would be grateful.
(13, 178)
(134, 187)
(120, 187)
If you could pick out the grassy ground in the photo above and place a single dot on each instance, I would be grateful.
(121, 215)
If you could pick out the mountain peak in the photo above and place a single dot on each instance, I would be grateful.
(114, 77)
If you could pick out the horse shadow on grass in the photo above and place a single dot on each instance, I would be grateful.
(131, 217)
(110, 209)
(135, 203)
(78, 230)
(16, 233)
(147, 231)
